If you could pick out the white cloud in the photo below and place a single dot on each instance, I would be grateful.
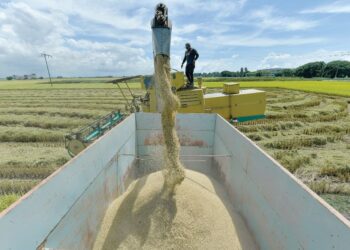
(217, 65)
(25, 32)
(287, 60)
(102, 12)
(114, 37)
(332, 8)
(93, 37)
(252, 41)
(188, 28)
(222, 9)
(275, 56)
(268, 18)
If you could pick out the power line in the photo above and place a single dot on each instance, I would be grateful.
(47, 65)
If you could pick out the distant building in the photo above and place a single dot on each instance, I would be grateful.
(24, 77)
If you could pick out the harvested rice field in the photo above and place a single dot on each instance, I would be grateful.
(308, 133)
(32, 128)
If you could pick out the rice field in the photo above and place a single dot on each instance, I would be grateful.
(33, 123)
(64, 83)
(308, 133)
(341, 88)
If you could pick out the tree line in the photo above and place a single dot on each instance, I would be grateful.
(334, 69)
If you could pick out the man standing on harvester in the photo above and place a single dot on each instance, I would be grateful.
(191, 55)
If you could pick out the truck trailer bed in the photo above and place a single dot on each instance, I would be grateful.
(65, 211)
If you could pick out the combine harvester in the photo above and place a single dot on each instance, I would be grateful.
(66, 209)
(233, 104)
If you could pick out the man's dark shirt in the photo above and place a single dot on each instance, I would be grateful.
(190, 56)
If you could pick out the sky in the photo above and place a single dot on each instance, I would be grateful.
(113, 37)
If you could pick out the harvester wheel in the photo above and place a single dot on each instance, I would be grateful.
(75, 147)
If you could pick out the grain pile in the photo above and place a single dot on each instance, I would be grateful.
(173, 170)
(197, 216)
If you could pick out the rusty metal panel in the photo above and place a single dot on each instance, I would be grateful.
(281, 212)
(63, 207)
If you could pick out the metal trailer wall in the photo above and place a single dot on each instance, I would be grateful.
(65, 210)
(280, 211)
(196, 136)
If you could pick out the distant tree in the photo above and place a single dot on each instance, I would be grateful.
(309, 70)
(251, 74)
(241, 72)
(226, 73)
(287, 72)
(259, 73)
(9, 78)
(338, 69)
(278, 73)
(246, 71)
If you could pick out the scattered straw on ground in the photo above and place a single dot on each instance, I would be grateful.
(198, 216)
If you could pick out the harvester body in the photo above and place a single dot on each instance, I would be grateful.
(232, 103)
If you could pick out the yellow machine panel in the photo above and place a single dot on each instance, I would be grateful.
(178, 80)
(142, 79)
(191, 101)
(231, 88)
(217, 100)
(248, 102)
(218, 103)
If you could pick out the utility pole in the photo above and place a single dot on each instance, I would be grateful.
(47, 65)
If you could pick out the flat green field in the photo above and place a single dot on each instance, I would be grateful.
(325, 87)
(308, 133)
(65, 83)
(341, 88)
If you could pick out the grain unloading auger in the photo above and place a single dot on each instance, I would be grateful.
(75, 142)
